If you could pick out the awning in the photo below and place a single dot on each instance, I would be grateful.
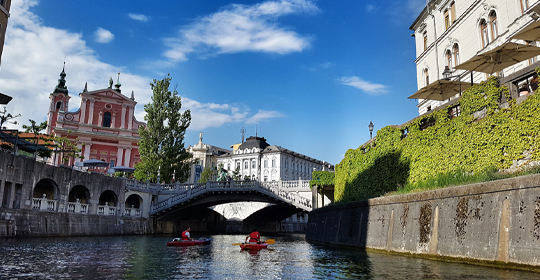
(22, 144)
(529, 33)
(440, 90)
(499, 58)
(4, 99)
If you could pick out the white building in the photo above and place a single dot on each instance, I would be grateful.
(450, 32)
(258, 160)
(204, 156)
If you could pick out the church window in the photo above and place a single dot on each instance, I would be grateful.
(107, 119)
(59, 105)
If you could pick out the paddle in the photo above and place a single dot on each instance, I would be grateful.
(268, 241)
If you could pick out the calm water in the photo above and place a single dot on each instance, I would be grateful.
(148, 257)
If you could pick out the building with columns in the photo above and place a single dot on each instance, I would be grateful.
(450, 32)
(104, 127)
(258, 160)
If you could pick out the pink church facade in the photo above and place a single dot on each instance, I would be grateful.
(104, 127)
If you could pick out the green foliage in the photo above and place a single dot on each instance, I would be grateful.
(207, 174)
(162, 141)
(457, 148)
(322, 178)
(36, 130)
(236, 174)
(65, 147)
(118, 174)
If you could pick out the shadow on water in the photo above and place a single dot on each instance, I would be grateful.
(347, 224)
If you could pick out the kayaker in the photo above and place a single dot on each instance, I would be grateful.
(185, 234)
(254, 237)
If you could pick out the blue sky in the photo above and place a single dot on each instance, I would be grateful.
(307, 75)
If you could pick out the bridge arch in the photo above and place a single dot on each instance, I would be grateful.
(46, 187)
(108, 197)
(80, 193)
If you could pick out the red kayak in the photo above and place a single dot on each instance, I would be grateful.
(178, 242)
(248, 246)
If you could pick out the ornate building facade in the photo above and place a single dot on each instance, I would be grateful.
(450, 32)
(258, 160)
(204, 156)
(104, 127)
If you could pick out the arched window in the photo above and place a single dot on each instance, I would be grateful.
(426, 75)
(107, 119)
(494, 30)
(449, 59)
(59, 105)
(456, 54)
(524, 5)
(484, 33)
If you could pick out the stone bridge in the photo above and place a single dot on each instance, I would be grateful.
(290, 196)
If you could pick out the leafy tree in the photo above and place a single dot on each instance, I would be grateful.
(236, 174)
(36, 130)
(207, 174)
(162, 140)
(66, 147)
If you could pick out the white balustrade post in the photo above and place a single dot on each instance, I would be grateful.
(43, 203)
(77, 206)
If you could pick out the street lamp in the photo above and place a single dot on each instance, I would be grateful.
(447, 75)
(370, 126)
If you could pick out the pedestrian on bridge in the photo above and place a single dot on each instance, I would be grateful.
(254, 237)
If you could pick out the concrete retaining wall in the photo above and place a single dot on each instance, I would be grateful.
(495, 221)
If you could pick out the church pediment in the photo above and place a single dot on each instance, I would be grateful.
(109, 94)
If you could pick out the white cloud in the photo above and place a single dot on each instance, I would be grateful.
(241, 28)
(367, 87)
(138, 17)
(33, 58)
(370, 8)
(263, 115)
(103, 35)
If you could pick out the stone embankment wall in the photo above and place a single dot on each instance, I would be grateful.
(494, 222)
(29, 223)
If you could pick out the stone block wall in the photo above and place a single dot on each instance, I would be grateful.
(496, 221)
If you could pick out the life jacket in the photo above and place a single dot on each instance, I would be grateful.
(254, 237)
(184, 235)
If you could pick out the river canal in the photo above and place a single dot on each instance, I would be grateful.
(148, 257)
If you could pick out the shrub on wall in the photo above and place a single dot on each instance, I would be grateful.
(439, 143)
(322, 178)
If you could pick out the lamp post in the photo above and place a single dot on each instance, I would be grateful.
(447, 75)
(370, 126)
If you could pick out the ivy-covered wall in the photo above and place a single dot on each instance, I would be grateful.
(416, 152)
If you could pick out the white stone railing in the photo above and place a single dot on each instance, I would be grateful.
(106, 210)
(132, 212)
(43, 204)
(77, 207)
(269, 188)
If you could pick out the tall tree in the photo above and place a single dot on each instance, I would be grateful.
(162, 140)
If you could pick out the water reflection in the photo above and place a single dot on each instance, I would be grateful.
(147, 257)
